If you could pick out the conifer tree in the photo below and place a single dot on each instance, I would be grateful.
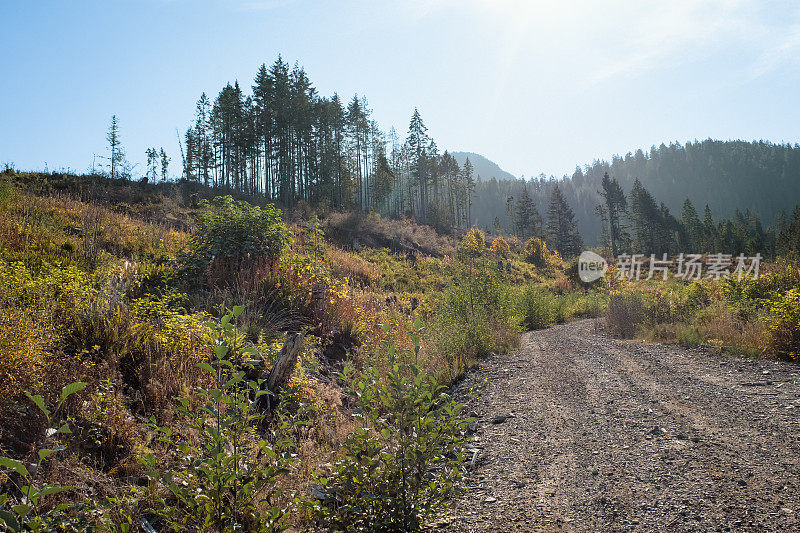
(615, 205)
(561, 229)
(527, 219)
(116, 156)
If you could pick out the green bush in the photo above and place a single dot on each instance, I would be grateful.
(230, 233)
(226, 474)
(475, 316)
(27, 510)
(629, 310)
(403, 462)
(626, 311)
(537, 308)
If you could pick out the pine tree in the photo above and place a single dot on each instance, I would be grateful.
(164, 164)
(615, 206)
(467, 188)
(709, 231)
(693, 228)
(561, 229)
(152, 163)
(527, 219)
(418, 143)
(646, 220)
(117, 156)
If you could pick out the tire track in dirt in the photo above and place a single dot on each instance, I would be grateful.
(616, 435)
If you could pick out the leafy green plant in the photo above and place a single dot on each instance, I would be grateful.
(399, 468)
(29, 512)
(537, 308)
(230, 233)
(226, 474)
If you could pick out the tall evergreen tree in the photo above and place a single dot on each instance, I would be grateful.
(646, 221)
(561, 229)
(116, 157)
(527, 219)
(615, 205)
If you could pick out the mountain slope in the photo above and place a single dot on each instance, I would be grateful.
(485, 168)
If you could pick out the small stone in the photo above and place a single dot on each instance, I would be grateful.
(490, 499)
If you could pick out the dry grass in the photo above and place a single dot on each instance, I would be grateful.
(351, 230)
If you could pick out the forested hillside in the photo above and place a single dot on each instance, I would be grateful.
(727, 175)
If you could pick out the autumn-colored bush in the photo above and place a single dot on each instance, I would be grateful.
(473, 242)
(784, 324)
(537, 253)
(37, 310)
(500, 248)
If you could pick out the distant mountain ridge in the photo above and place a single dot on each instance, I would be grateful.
(484, 167)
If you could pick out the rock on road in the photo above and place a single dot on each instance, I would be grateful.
(610, 435)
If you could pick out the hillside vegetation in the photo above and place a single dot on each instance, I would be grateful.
(140, 324)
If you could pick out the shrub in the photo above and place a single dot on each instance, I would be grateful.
(629, 310)
(473, 242)
(536, 253)
(475, 316)
(231, 233)
(30, 513)
(401, 465)
(500, 248)
(537, 308)
(784, 324)
(226, 474)
(625, 313)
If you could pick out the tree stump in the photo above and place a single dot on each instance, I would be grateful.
(281, 371)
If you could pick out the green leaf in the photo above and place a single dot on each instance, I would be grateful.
(22, 510)
(45, 453)
(52, 489)
(72, 388)
(14, 465)
(39, 401)
(10, 520)
(220, 351)
(206, 367)
(237, 310)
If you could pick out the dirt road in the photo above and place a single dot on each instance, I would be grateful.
(610, 435)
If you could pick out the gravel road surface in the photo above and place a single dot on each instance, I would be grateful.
(581, 432)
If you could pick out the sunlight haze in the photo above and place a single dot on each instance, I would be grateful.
(538, 87)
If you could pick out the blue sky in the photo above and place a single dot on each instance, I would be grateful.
(535, 86)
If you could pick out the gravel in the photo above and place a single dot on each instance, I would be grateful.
(581, 432)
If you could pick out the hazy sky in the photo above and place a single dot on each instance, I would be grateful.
(535, 86)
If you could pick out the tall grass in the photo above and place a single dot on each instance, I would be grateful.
(474, 316)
